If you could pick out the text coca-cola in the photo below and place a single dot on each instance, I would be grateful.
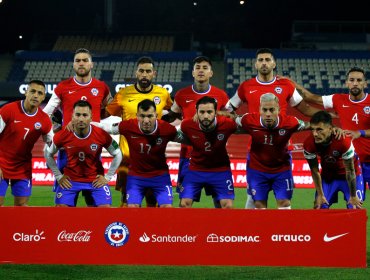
(80, 236)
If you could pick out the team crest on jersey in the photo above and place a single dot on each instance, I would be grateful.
(159, 141)
(94, 91)
(278, 90)
(59, 195)
(335, 153)
(367, 110)
(94, 147)
(282, 132)
(37, 125)
(220, 137)
(156, 100)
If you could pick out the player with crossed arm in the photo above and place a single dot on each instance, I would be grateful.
(266, 81)
(82, 86)
(84, 169)
(209, 161)
(124, 105)
(147, 139)
(21, 125)
(341, 169)
(354, 116)
(269, 165)
(184, 105)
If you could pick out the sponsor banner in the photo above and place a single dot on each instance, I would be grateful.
(153, 236)
(41, 175)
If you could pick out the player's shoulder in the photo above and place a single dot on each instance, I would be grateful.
(218, 91)
(184, 91)
(127, 89)
(160, 90)
(62, 134)
(167, 126)
(65, 83)
(11, 106)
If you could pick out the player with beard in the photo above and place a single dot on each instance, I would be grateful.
(125, 104)
(353, 110)
(82, 86)
(209, 161)
(340, 168)
(183, 106)
(266, 81)
(269, 165)
(21, 125)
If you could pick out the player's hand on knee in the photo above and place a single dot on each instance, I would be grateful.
(355, 202)
(100, 181)
(65, 182)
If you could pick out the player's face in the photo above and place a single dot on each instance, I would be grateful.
(145, 74)
(82, 64)
(265, 63)
(147, 119)
(269, 111)
(35, 94)
(356, 83)
(206, 114)
(202, 71)
(321, 132)
(81, 117)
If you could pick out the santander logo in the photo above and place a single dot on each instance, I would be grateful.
(80, 236)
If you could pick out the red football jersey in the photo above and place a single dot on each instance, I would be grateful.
(331, 156)
(209, 148)
(83, 154)
(353, 115)
(147, 151)
(251, 90)
(187, 97)
(19, 132)
(269, 149)
(70, 91)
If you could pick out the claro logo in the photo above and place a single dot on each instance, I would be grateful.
(291, 238)
(25, 237)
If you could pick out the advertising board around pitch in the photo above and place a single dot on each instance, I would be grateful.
(153, 236)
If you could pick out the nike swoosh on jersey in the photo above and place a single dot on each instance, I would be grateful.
(251, 91)
(15, 121)
(130, 100)
(331, 238)
(187, 101)
(71, 91)
(345, 106)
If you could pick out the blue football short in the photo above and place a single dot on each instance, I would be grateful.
(69, 197)
(20, 187)
(220, 183)
(160, 185)
(261, 183)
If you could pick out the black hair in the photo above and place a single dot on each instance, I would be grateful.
(321, 117)
(200, 59)
(206, 100)
(37, 82)
(144, 59)
(146, 104)
(82, 103)
(265, 50)
(356, 69)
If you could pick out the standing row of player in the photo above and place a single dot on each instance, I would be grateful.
(209, 144)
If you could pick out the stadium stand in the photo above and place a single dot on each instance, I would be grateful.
(128, 43)
(56, 66)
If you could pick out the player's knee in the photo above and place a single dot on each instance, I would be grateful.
(61, 205)
(260, 204)
(185, 203)
(166, 206)
(283, 203)
(133, 205)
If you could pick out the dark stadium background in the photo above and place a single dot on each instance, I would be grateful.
(252, 25)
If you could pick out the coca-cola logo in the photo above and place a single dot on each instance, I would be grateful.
(80, 236)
